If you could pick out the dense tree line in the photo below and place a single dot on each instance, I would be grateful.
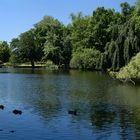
(104, 40)
(48, 40)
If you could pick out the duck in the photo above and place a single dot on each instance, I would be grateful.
(12, 131)
(17, 112)
(73, 112)
(2, 107)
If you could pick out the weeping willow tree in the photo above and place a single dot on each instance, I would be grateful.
(122, 47)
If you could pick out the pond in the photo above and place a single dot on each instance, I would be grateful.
(105, 108)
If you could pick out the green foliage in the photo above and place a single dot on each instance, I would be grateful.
(79, 33)
(132, 70)
(55, 39)
(137, 9)
(4, 52)
(100, 26)
(126, 9)
(25, 48)
(123, 45)
(13, 59)
(104, 40)
(15, 51)
(28, 47)
(85, 59)
(51, 66)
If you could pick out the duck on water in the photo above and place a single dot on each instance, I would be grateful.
(2, 107)
(73, 112)
(17, 112)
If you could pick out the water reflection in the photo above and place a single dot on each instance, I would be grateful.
(106, 109)
(102, 118)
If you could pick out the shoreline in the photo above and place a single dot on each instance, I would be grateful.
(137, 81)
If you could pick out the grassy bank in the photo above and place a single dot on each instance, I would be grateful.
(48, 65)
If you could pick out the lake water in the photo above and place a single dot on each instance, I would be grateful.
(106, 109)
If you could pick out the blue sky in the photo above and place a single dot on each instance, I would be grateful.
(20, 15)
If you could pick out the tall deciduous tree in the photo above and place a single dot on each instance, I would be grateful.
(29, 49)
(55, 39)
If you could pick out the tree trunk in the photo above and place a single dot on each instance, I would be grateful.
(32, 63)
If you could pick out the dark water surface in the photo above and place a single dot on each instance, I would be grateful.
(106, 109)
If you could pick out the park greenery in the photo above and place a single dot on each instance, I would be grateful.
(105, 40)
(130, 71)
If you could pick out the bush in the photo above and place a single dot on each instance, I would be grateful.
(85, 59)
(51, 66)
(132, 70)
(13, 59)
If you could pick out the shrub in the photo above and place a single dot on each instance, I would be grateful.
(51, 66)
(85, 59)
(132, 70)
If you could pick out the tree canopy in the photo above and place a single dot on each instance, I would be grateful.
(104, 40)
